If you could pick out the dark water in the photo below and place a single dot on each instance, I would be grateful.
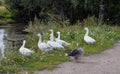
(10, 31)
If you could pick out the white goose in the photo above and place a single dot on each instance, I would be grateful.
(53, 43)
(87, 38)
(42, 45)
(25, 51)
(52, 35)
(62, 42)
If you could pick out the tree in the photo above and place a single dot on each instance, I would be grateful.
(73, 10)
(101, 12)
(26, 10)
(112, 11)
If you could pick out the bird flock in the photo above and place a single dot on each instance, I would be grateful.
(53, 43)
(57, 43)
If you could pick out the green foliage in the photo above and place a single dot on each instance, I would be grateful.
(5, 15)
(104, 35)
(112, 8)
(73, 10)
(1, 2)
(90, 21)
(26, 10)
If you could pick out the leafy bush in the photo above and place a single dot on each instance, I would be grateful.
(4, 13)
(1, 2)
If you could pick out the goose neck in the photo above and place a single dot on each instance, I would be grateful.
(87, 31)
(52, 38)
(58, 36)
(40, 39)
(23, 44)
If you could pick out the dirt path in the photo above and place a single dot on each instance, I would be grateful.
(107, 62)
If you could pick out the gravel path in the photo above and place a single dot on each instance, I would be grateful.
(107, 62)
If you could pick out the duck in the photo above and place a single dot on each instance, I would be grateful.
(76, 53)
(25, 51)
(54, 44)
(87, 38)
(62, 42)
(42, 45)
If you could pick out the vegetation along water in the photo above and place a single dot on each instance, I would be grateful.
(70, 17)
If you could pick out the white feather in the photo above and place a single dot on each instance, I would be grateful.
(62, 42)
(42, 45)
(87, 38)
(53, 43)
(25, 51)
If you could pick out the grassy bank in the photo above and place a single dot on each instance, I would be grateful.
(104, 35)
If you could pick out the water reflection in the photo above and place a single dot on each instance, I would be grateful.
(10, 31)
(2, 46)
(2, 33)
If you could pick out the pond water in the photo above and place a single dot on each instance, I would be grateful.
(9, 30)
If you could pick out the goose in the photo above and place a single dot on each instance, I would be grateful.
(62, 42)
(25, 51)
(42, 45)
(76, 53)
(87, 38)
(54, 44)
(52, 35)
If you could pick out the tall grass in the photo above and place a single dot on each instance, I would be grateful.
(104, 35)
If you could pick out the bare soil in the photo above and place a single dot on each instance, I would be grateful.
(106, 62)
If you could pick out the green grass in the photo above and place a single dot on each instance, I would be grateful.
(104, 35)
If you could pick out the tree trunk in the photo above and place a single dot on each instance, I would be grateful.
(101, 12)
(62, 11)
(62, 14)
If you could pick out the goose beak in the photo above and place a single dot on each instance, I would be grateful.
(50, 30)
(78, 44)
(66, 54)
(58, 32)
(39, 34)
(85, 28)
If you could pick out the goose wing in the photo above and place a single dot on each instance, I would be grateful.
(44, 46)
(73, 53)
(26, 51)
(62, 42)
(89, 39)
(55, 44)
